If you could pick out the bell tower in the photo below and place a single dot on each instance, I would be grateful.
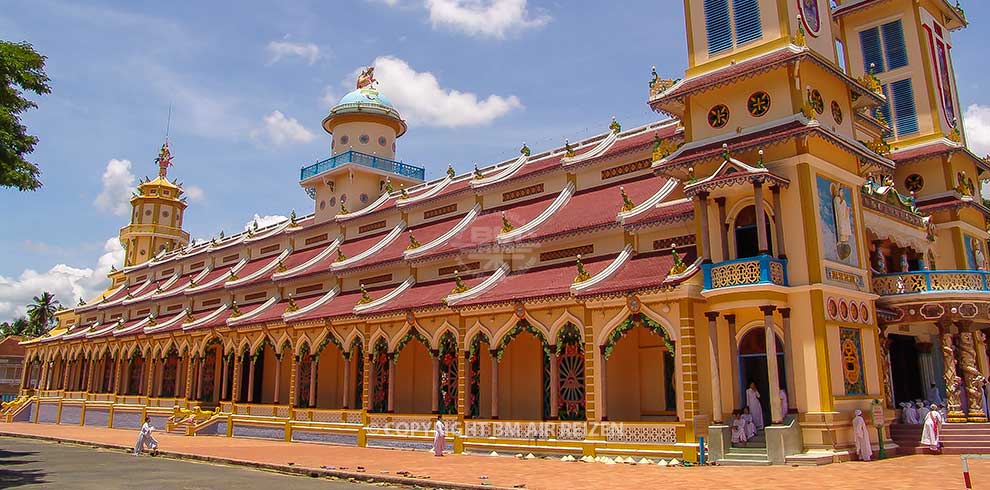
(156, 216)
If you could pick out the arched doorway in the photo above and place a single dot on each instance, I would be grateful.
(447, 384)
(356, 395)
(329, 375)
(479, 396)
(413, 375)
(745, 233)
(640, 384)
(753, 367)
(571, 393)
(381, 364)
(523, 386)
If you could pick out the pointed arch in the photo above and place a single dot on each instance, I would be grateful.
(445, 328)
(283, 341)
(355, 337)
(379, 336)
(563, 320)
(537, 328)
(478, 328)
(625, 313)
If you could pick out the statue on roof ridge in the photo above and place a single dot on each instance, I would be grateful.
(366, 78)
(164, 160)
(524, 150)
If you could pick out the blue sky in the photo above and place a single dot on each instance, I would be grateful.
(249, 83)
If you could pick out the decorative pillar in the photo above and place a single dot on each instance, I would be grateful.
(116, 375)
(761, 228)
(250, 391)
(602, 397)
(554, 382)
(293, 382)
(224, 376)
(972, 379)
(189, 376)
(785, 314)
(200, 364)
(494, 357)
(435, 382)
(723, 227)
(885, 374)
(390, 407)
(159, 376)
(178, 377)
(346, 402)
(778, 228)
(64, 376)
(774, 376)
(716, 378)
(464, 387)
(313, 370)
(706, 245)
(952, 381)
(25, 374)
(689, 361)
(235, 395)
(278, 377)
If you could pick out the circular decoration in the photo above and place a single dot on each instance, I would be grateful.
(633, 304)
(718, 116)
(364, 198)
(758, 104)
(333, 201)
(323, 204)
(843, 309)
(850, 362)
(864, 313)
(817, 102)
(570, 360)
(365, 139)
(854, 312)
(381, 141)
(147, 212)
(914, 183)
(344, 139)
(520, 310)
(164, 214)
(837, 112)
(833, 308)
(811, 16)
(393, 147)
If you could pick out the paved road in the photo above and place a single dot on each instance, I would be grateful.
(32, 464)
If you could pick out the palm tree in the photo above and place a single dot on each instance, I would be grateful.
(41, 314)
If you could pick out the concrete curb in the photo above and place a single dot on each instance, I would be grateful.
(289, 470)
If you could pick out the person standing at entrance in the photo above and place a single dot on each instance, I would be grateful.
(933, 395)
(933, 425)
(753, 403)
(862, 436)
(439, 437)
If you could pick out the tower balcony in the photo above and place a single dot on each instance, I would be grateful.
(363, 159)
(950, 282)
(749, 271)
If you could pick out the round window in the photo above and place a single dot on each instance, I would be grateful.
(381, 141)
(333, 202)
(914, 183)
(147, 212)
(344, 139)
(718, 116)
(364, 198)
(365, 139)
(165, 214)
(837, 112)
(323, 204)
(758, 104)
(817, 102)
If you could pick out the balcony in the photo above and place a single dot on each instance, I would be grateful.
(356, 157)
(749, 271)
(919, 282)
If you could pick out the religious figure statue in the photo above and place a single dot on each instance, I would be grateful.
(979, 256)
(879, 262)
(843, 222)
(164, 160)
(905, 265)
(366, 78)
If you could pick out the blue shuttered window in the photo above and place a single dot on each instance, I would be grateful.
(885, 109)
(747, 18)
(905, 115)
(717, 24)
(888, 54)
(893, 43)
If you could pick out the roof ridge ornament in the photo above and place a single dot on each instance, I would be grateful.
(292, 219)
(506, 224)
(164, 160)
(388, 185)
(450, 171)
(413, 242)
(615, 126)
(459, 286)
(568, 149)
(627, 204)
(367, 78)
(800, 39)
(365, 299)
(292, 306)
(525, 150)
(340, 255)
(477, 173)
(582, 274)
(679, 265)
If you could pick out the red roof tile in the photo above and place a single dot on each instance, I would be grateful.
(424, 233)
(644, 271)
(537, 283)
(219, 321)
(662, 214)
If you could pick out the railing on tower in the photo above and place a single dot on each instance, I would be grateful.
(930, 282)
(762, 269)
(356, 157)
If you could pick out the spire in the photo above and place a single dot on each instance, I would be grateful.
(164, 160)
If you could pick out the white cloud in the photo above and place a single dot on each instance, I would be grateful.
(278, 130)
(264, 221)
(66, 282)
(977, 124)
(484, 18)
(195, 193)
(421, 100)
(118, 183)
(279, 50)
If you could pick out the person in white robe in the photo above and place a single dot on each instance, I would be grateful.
(753, 404)
(738, 428)
(783, 404)
(862, 437)
(910, 414)
(750, 425)
(922, 411)
(439, 437)
(145, 439)
(933, 427)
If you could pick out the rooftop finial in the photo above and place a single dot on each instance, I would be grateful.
(164, 160)
(366, 78)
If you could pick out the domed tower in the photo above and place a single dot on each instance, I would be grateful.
(156, 216)
(363, 127)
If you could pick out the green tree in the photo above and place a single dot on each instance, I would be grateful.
(41, 314)
(17, 327)
(21, 69)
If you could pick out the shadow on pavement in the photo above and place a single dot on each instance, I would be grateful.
(11, 478)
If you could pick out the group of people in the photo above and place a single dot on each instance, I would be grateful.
(931, 415)
(747, 421)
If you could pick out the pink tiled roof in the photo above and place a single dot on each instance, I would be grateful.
(537, 283)
(423, 233)
(645, 271)
(340, 305)
(662, 214)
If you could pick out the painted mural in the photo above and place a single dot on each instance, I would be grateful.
(838, 225)
(976, 253)
(851, 345)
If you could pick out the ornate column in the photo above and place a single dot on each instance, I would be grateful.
(199, 377)
(885, 375)
(293, 382)
(554, 382)
(250, 391)
(189, 376)
(278, 377)
(723, 228)
(972, 379)
(952, 380)
(346, 402)
(224, 376)
(761, 228)
(774, 376)
(494, 358)
(116, 375)
(314, 369)
(464, 387)
(785, 314)
(716, 379)
(435, 382)
(235, 395)
(25, 374)
(602, 396)
(778, 228)
(390, 407)
(706, 245)
(733, 361)
(178, 377)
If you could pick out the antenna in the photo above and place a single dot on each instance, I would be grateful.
(168, 123)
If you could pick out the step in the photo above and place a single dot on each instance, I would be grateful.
(742, 462)
(965, 437)
(748, 450)
(966, 450)
(809, 459)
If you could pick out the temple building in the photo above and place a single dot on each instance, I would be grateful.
(803, 215)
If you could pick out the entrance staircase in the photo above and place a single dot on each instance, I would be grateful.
(908, 439)
(750, 453)
(965, 439)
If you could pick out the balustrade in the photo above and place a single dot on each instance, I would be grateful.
(762, 269)
(929, 282)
